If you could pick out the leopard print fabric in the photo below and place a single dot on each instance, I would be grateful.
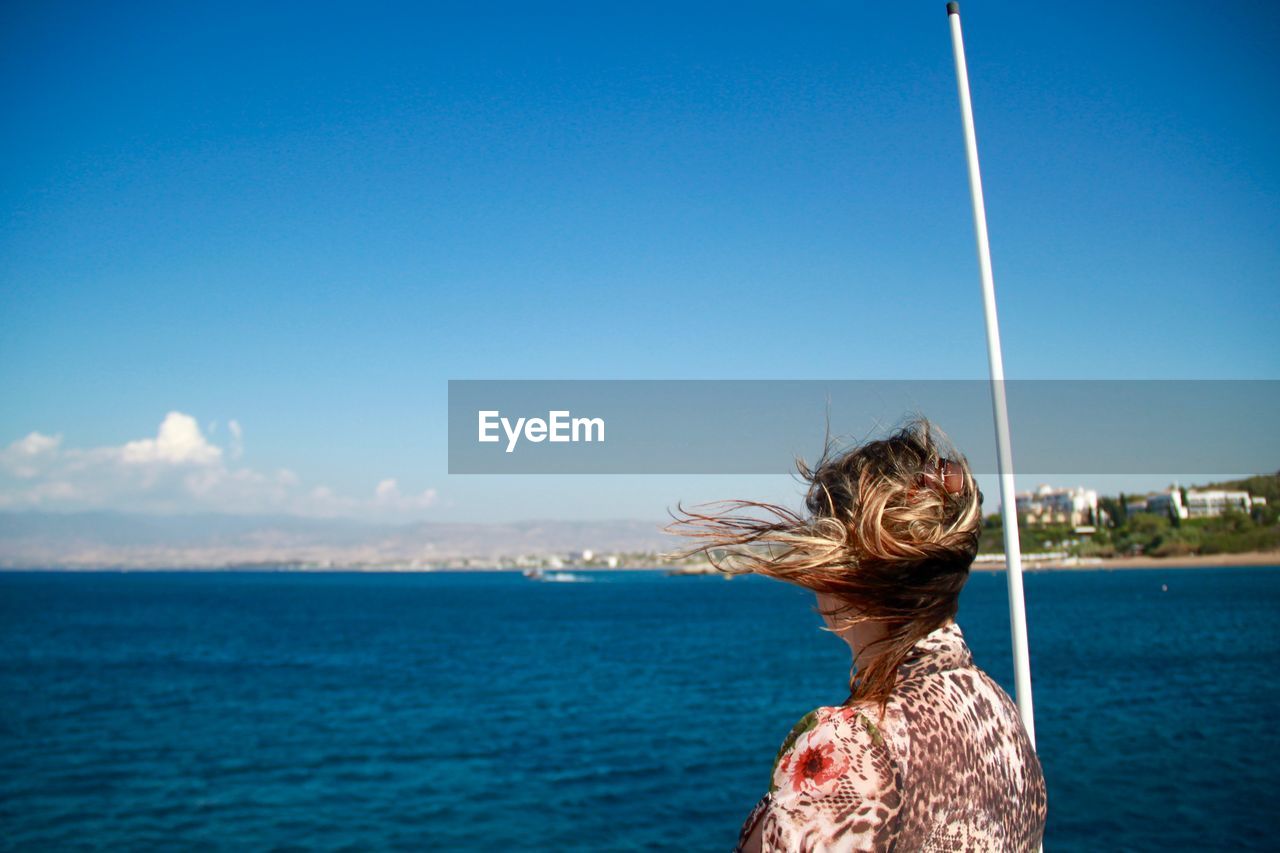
(948, 767)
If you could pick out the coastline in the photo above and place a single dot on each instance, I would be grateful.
(1247, 559)
(1243, 560)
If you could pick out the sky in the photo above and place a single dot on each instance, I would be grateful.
(247, 245)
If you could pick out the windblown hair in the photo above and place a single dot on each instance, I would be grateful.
(891, 531)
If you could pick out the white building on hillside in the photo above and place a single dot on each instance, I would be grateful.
(1047, 505)
(1215, 502)
(1199, 504)
(1166, 503)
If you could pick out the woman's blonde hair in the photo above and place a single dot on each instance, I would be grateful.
(891, 530)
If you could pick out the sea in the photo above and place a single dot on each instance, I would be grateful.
(609, 711)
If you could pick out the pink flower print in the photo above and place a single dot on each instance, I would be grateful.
(815, 764)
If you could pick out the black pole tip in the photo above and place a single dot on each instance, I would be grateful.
(953, 8)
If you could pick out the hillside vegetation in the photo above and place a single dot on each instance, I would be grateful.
(1127, 533)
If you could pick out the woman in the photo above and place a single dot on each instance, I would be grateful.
(927, 753)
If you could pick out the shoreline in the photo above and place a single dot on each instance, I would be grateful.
(1247, 559)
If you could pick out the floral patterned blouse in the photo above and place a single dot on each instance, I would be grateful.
(947, 767)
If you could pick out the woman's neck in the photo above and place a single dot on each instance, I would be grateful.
(861, 635)
(863, 638)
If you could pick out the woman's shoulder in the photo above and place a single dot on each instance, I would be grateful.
(835, 786)
(826, 743)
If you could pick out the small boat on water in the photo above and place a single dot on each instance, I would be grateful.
(555, 577)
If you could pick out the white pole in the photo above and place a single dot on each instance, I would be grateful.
(1004, 451)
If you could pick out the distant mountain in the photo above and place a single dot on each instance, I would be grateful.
(87, 540)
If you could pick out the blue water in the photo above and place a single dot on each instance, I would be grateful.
(635, 711)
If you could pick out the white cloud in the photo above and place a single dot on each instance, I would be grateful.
(386, 490)
(237, 438)
(35, 444)
(27, 456)
(387, 494)
(178, 442)
(179, 470)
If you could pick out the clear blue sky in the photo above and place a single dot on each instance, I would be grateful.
(307, 218)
